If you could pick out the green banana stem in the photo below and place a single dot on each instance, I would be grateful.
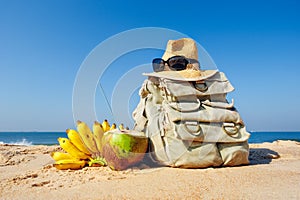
(98, 161)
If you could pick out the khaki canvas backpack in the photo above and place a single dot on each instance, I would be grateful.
(190, 123)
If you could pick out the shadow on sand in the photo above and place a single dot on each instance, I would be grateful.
(257, 156)
(262, 156)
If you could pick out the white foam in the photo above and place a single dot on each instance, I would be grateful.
(22, 142)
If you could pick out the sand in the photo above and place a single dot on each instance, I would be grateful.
(26, 172)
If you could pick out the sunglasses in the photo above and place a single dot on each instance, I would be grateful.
(175, 63)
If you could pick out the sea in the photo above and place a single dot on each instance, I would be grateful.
(50, 138)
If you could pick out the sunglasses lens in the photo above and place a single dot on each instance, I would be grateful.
(158, 64)
(177, 63)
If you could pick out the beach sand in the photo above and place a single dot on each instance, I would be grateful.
(26, 172)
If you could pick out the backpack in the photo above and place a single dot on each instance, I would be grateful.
(190, 124)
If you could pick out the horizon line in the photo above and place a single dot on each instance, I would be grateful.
(25, 131)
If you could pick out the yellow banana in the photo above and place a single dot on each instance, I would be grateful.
(87, 137)
(105, 125)
(113, 126)
(60, 156)
(71, 149)
(76, 140)
(69, 164)
(98, 134)
(121, 127)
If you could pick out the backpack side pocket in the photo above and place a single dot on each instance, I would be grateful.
(234, 154)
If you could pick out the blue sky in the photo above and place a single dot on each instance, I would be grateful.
(43, 44)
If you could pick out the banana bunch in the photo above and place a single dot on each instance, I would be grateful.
(82, 147)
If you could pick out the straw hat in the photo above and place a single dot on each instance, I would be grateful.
(183, 47)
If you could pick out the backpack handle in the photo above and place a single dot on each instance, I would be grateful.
(201, 86)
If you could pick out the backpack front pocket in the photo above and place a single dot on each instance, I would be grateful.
(210, 132)
(204, 113)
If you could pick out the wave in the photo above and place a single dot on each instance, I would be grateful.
(22, 142)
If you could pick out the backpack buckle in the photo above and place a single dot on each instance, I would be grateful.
(230, 128)
(192, 127)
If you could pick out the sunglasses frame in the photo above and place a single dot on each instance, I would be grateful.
(163, 62)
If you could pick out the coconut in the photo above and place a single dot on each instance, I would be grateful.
(122, 149)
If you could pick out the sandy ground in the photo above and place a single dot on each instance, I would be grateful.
(274, 173)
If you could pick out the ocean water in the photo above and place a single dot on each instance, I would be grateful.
(259, 137)
(31, 138)
(50, 138)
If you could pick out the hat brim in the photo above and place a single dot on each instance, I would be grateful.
(184, 75)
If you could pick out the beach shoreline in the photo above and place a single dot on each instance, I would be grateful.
(26, 172)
